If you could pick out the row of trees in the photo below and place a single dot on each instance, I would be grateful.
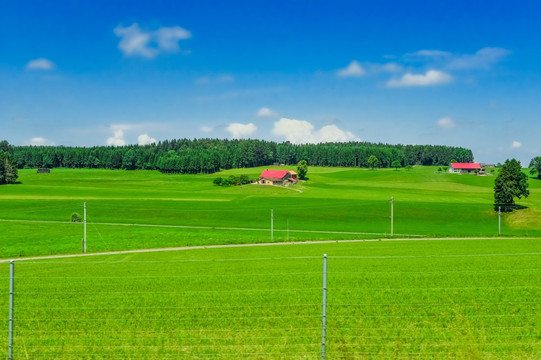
(210, 155)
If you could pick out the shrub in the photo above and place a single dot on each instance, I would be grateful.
(76, 218)
(234, 180)
(244, 179)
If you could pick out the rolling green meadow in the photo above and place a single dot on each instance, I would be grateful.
(445, 286)
(414, 299)
(184, 210)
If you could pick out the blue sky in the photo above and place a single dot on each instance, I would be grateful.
(460, 73)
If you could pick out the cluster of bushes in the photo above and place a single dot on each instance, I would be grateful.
(232, 180)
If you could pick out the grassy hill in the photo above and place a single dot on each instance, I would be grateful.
(412, 299)
(335, 203)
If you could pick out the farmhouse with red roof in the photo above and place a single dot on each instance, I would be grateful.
(277, 177)
(465, 168)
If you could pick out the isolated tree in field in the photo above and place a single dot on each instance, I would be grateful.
(8, 170)
(409, 167)
(373, 162)
(511, 182)
(396, 164)
(535, 166)
(302, 169)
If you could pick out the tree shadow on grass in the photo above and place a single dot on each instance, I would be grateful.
(510, 208)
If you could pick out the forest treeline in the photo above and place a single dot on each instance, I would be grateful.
(210, 155)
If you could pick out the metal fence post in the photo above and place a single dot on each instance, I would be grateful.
(324, 314)
(11, 294)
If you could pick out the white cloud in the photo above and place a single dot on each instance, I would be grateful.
(516, 145)
(331, 133)
(302, 132)
(220, 79)
(266, 112)
(39, 141)
(446, 123)
(144, 139)
(40, 64)
(137, 42)
(206, 129)
(117, 139)
(238, 130)
(484, 58)
(432, 77)
(354, 69)
(431, 54)
(167, 38)
(388, 67)
(294, 131)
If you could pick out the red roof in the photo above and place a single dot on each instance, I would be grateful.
(275, 174)
(465, 165)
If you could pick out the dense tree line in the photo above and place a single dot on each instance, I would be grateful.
(210, 155)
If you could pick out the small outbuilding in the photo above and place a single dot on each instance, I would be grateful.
(44, 171)
(277, 177)
(465, 168)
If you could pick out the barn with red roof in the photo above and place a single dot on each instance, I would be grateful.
(465, 168)
(277, 177)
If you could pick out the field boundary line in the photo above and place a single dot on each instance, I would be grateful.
(207, 227)
(201, 247)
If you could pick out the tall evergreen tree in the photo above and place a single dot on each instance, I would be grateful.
(8, 170)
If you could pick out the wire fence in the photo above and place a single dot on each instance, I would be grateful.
(413, 307)
(151, 224)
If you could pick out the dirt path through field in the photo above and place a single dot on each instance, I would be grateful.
(183, 248)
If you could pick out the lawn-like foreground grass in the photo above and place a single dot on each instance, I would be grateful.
(335, 203)
(415, 299)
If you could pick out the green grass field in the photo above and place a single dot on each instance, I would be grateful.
(336, 203)
(415, 299)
